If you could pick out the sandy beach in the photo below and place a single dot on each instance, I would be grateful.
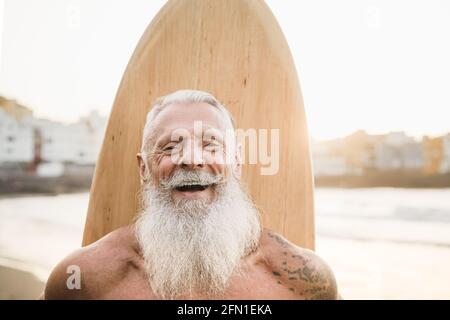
(17, 284)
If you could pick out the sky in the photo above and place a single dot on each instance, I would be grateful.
(363, 64)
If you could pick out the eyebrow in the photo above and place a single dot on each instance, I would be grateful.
(216, 133)
(217, 139)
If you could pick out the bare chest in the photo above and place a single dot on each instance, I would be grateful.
(257, 283)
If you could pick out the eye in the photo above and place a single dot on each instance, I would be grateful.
(169, 148)
(211, 145)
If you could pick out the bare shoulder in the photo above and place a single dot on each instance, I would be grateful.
(89, 271)
(302, 271)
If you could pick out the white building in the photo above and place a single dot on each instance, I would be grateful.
(398, 152)
(325, 163)
(77, 143)
(329, 166)
(397, 139)
(16, 140)
(32, 139)
(96, 126)
(445, 166)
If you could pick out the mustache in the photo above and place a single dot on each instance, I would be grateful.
(183, 177)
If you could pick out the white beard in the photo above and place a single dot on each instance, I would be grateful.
(194, 246)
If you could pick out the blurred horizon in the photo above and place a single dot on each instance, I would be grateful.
(313, 139)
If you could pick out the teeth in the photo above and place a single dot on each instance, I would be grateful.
(192, 184)
(192, 187)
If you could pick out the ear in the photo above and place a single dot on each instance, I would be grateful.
(237, 166)
(143, 172)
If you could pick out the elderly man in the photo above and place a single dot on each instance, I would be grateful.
(198, 235)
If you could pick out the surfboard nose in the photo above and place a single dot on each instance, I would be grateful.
(235, 50)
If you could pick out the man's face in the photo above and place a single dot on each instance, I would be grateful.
(188, 137)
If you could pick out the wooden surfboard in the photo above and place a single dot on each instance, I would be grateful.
(235, 50)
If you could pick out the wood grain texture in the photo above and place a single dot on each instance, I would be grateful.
(235, 50)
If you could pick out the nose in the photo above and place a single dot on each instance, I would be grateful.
(192, 156)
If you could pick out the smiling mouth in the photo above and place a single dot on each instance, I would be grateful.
(192, 187)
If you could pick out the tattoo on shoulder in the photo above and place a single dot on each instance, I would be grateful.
(317, 285)
(302, 272)
(278, 239)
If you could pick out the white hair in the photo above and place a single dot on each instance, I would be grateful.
(182, 97)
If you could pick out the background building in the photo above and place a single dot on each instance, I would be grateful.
(445, 164)
(28, 140)
(433, 154)
(360, 154)
(16, 140)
